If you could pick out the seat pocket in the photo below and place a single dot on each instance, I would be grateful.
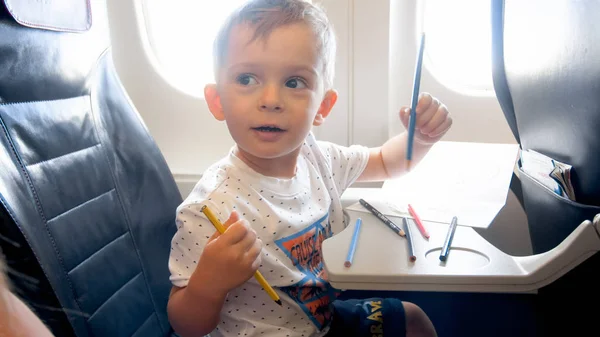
(551, 217)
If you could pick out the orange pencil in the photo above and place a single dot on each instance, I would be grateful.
(422, 229)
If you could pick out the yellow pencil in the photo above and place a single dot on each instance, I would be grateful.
(257, 275)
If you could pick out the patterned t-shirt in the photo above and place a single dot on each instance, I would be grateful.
(292, 217)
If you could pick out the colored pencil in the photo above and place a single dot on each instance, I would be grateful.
(353, 243)
(411, 252)
(412, 121)
(382, 217)
(418, 221)
(448, 241)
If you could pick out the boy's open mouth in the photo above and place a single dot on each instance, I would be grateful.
(267, 128)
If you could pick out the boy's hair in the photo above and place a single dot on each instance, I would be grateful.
(267, 15)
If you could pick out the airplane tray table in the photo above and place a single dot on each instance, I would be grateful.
(473, 265)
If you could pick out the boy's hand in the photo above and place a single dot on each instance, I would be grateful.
(433, 119)
(229, 259)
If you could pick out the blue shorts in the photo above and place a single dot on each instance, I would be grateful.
(372, 317)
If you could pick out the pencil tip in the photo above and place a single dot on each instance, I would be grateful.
(408, 164)
(279, 302)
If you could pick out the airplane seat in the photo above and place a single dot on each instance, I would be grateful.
(87, 199)
(547, 79)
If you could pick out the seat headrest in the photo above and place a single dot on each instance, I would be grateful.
(48, 49)
(57, 15)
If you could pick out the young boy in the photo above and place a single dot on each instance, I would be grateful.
(278, 191)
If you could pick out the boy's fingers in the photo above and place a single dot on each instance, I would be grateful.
(404, 116)
(442, 129)
(249, 240)
(440, 116)
(424, 116)
(233, 217)
(425, 100)
(237, 231)
(254, 250)
(214, 236)
(253, 254)
(257, 262)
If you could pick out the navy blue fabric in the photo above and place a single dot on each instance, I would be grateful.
(372, 317)
(85, 192)
(456, 314)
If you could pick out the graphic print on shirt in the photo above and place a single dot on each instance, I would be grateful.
(313, 294)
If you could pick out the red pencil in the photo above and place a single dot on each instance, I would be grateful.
(418, 221)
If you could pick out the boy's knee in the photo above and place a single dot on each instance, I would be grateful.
(418, 323)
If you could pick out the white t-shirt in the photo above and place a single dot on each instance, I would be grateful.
(292, 217)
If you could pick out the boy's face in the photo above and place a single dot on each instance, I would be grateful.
(270, 91)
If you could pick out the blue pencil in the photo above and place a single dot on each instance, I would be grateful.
(446, 249)
(413, 104)
(409, 241)
(352, 249)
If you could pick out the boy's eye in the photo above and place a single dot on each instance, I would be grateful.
(295, 83)
(246, 79)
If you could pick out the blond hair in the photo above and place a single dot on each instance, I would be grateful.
(267, 15)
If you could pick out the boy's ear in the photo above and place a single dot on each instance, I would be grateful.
(326, 106)
(211, 95)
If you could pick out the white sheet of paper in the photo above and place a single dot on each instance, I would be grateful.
(467, 180)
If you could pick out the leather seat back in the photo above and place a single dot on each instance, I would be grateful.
(88, 201)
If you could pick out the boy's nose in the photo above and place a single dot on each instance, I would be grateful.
(271, 99)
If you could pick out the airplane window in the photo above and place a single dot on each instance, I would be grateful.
(458, 43)
(181, 34)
